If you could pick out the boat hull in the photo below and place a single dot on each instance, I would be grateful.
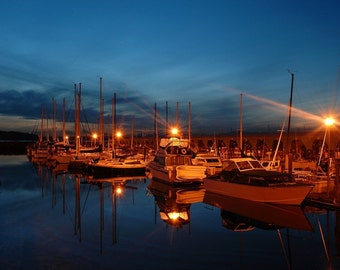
(290, 193)
(177, 174)
(107, 171)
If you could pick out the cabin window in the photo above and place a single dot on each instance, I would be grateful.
(212, 160)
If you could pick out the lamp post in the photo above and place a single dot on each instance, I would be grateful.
(329, 122)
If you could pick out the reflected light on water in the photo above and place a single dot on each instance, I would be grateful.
(86, 228)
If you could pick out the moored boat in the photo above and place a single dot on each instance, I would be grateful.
(173, 162)
(117, 168)
(213, 163)
(246, 178)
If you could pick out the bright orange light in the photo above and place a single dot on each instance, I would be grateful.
(118, 134)
(94, 135)
(174, 131)
(173, 215)
(119, 190)
(329, 121)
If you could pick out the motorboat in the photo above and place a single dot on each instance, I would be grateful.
(213, 163)
(173, 162)
(246, 178)
(117, 167)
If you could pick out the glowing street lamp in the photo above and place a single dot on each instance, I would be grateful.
(174, 131)
(119, 135)
(94, 136)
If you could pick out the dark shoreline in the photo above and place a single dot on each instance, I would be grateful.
(13, 148)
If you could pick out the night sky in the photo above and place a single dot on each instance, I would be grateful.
(206, 52)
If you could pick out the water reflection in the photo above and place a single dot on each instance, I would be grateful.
(52, 217)
(239, 213)
(174, 202)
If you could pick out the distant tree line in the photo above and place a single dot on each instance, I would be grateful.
(17, 136)
(14, 143)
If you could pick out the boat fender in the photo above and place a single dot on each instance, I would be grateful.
(183, 151)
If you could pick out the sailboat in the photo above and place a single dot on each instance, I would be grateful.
(115, 166)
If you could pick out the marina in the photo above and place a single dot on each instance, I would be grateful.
(52, 218)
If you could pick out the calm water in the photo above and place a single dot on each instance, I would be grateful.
(57, 221)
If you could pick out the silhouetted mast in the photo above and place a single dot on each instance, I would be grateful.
(101, 113)
(156, 127)
(241, 131)
(177, 114)
(189, 122)
(290, 110)
(113, 124)
(166, 119)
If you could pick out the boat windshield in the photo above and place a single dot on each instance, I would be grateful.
(256, 164)
(249, 164)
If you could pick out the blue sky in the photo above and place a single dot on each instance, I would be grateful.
(206, 52)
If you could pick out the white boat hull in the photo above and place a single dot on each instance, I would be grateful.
(181, 173)
(291, 193)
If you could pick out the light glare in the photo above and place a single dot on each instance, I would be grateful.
(329, 121)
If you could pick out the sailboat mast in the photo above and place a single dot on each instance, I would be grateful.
(189, 122)
(77, 103)
(64, 128)
(241, 131)
(166, 119)
(177, 114)
(42, 123)
(290, 110)
(101, 113)
(156, 127)
(113, 124)
(54, 133)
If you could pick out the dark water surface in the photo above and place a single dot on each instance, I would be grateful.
(60, 221)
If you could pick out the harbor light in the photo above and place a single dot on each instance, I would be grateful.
(329, 121)
(118, 190)
(174, 131)
(94, 136)
(119, 135)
